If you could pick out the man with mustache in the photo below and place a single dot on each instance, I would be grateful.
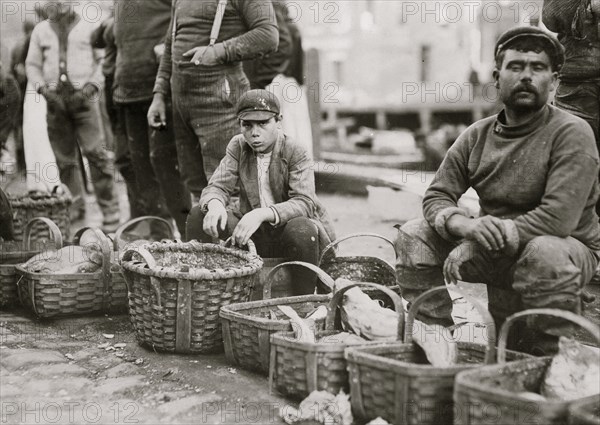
(535, 169)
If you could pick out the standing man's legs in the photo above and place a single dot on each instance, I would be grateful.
(90, 136)
(63, 139)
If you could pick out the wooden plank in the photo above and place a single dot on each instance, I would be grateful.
(264, 347)
(313, 92)
(227, 342)
(311, 371)
(355, 390)
(184, 315)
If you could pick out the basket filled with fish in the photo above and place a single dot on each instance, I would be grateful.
(176, 290)
(303, 360)
(537, 391)
(411, 382)
(247, 327)
(73, 280)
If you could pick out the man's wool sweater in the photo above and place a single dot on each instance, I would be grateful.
(542, 174)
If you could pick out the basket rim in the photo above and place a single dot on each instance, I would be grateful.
(57, 276)
(283, 339)
(254, 264)
(470, 380)
(369, 356)
(236, 312)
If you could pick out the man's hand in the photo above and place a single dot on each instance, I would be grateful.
(215, 218)
(157, 113)
(457, 257)
(250, 223)
(202, 55)
(488, 231)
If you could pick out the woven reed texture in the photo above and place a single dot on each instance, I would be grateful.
(490, 395)
(178, 311)
(295, 361)
(585, 412)
(9, 296)
(360, 268)
(10, 256)
(397, 382)
(249, 327)
(298, 368)
(54, 206)
(59, 294)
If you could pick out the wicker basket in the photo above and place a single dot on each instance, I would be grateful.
(54, 206)
(247, 327)
(395, 381)
(585, 411)
(298, 368)
(360, 268)
(490, 395)
(53, 294)
(8, 276)
(178, 311)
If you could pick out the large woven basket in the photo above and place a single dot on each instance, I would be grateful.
(491, 395)
(360, 268)
(54, 294)
(298, 368)
(54, 205)
(175, 310)
(9, 296)
(395, 381)
(247, 327)
(585, 411)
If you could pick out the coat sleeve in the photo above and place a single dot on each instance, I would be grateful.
(301, 193)
(262, 36)
(225, 178)
(451, 181)
(35, 60)
(572, 174)
(163, 76)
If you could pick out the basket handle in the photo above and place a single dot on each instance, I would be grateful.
(592, 328)
(64, 188)
(490, 352)
(323, 277)
(338, 297)
(54, 231)
(106, 251)
(353, 235)
(250, 245)
(136, 220)
(150, 261)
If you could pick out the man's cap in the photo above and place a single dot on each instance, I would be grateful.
(557, 52)
(258, 105)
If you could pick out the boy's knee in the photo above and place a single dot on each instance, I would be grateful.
(302, 227)
(193, 226)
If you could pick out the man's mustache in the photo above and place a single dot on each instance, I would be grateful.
(525, 88)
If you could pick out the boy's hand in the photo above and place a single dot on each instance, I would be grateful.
(157, 113)
(215, 218)
(249, 224)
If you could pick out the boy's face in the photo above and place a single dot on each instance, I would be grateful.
(260, 135)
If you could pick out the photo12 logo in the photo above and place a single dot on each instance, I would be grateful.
(73, 412)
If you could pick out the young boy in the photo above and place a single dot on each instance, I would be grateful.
(278, 208)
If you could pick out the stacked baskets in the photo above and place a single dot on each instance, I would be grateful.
(396, 382)
(247, 327)
(174, 306)
(8, 275)
(56, 294)
(492, 394)
(298, 368)
(54, 205)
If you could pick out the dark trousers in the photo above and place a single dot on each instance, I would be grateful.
(550, 272)
(297, 240)
(158, 187)
(204, 101)
(74, 119)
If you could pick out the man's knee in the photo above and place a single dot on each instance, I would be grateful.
(415, 244)
(544, 254)
(193, 227)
